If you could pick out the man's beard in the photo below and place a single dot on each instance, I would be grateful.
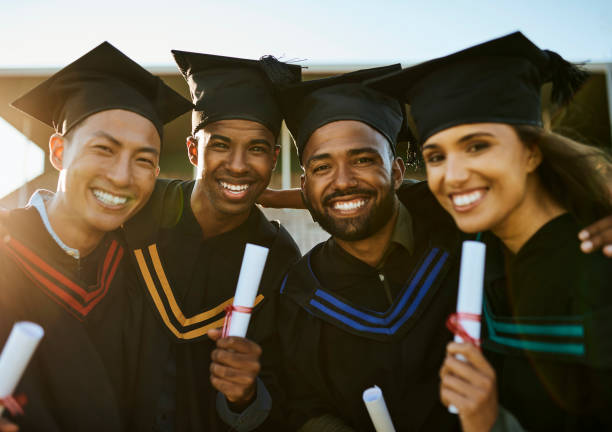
(359, 227)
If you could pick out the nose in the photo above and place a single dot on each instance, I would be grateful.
(119, 172)
(237, 163)
(344, 177)
(457, 171)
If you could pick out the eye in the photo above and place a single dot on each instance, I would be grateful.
(146, 161)
(477, 146)
(103, 148)
(433, 157)
(259, 149)
(364, 160)
(319, 169)
(218, 145)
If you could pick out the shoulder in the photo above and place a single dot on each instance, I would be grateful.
(163, 209)
(276, 237)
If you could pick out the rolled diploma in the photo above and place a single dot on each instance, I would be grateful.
(16, 354)
(469, 297)
(377, 408)
(253, 263)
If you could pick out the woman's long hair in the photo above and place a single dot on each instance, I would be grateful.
(578, 177)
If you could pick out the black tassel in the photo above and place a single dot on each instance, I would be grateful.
(277, 72)
(567, 78)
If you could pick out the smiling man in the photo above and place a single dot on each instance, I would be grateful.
(367, 307)
(188, 245)
(63, 264)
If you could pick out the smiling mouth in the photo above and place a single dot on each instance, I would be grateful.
(234, 189)
(468, 200)
(349, 206)
(108, 199)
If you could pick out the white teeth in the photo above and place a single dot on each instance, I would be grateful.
(234, 187)
(350, 205)
(467, 199)
(109, 199)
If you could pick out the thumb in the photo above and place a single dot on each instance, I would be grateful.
(214, 334)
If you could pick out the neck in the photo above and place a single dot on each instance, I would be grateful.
(72, 231)
(537, 209)
(211, 221)
(372, 249)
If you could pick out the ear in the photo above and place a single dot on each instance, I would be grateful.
(534, 159)
(275, 156)
(192, 150)
(57, 144)
(302, 181)
(398, 168)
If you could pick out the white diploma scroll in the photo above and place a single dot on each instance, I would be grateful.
(469, 297)
(16, 354)
(377, 408)
(253, 264)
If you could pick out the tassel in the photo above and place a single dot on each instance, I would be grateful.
(277, 72)
(567, 78)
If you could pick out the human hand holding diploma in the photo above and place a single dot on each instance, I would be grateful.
(468, 384)
(16, 355)
(377, 408)
(235, 362)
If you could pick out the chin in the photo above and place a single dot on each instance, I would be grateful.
(471, 225)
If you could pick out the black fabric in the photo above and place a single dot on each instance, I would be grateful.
(550, 279)
(224, 88)
(497, 81)
(77, 378)
(327, 366)
(203, 274)
(102, 79)
(311, 104)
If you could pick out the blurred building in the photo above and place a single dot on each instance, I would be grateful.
(588, 119)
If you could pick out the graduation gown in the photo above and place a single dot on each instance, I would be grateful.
(548, 330)
(76, 379)
(339, 337)
(188, 281)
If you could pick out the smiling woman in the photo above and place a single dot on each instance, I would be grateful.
(491, 164)
(26, 159)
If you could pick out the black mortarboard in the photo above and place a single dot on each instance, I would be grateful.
(311, 104)
(101, 80)
(497, 81)
(224, 88)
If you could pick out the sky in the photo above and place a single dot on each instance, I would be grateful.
(43, 33)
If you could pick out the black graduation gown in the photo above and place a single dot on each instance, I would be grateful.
(548, 330)
(335, 346)
(75, 380)
(187, 282)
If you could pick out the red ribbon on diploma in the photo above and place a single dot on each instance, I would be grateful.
(228, 317)
(14, 404)
(453, 323)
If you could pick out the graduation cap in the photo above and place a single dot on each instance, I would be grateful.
(311, 104)
(224, 88)
(497, 81)
(103, 79)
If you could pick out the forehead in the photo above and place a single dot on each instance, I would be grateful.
(125, 126)
(456, 133)
(236, 129)
(341, 136)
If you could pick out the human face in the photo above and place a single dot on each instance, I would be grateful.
(108, 167)
(481, 174)
(349, 179)
(235, 159)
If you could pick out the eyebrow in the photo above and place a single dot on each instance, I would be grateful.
(260, 141)
(357, 151)
(144, 149)
(317, 157)
(351, 152)
(220, 137)
(461, 140)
